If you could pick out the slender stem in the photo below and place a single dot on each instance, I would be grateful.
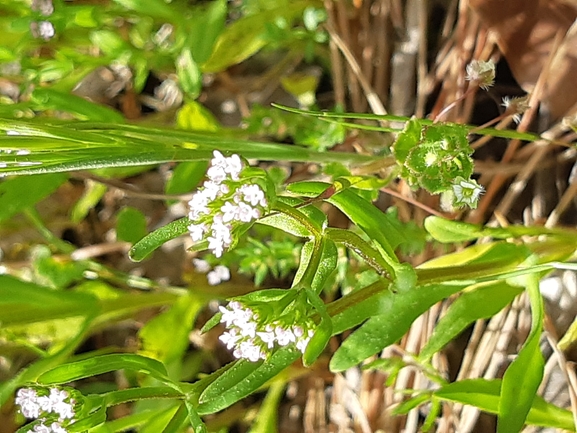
(312, 266)
(363, 249)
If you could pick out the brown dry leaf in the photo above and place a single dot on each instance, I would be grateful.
(525, 31)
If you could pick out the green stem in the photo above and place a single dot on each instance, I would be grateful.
(372, 257)
(312, 266)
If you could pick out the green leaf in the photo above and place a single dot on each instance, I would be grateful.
(157, 238)
(485, 394)
(204, 27)
(130, 225)
(83, 145)
(391, 316)
(178, 420)
(111, 43)
(50, 99)
(318, 342)
(23, 302)
(247, 35)
(237, 372)
(19, 193)
(473, 304)
(523, 377)
(407, 139)
(296, 222)
(103, 364)
(189, 75)
(193, 116)
(227, 390)
(478, 263)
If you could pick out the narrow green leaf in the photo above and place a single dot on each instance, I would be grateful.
(18, 193)
(23, 302)
(92, 145)
(216, 397)
(204, 26)
(391, 315)
(50, 99)
(235, 374)
(103, 364)
(157, 238)
(477, 303)
(130, 225)
(189, 75)
(178, 420)
(194, 418)
(523, 377)
(484, 394)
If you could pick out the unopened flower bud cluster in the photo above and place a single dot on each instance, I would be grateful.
(223, 202)
(251, 339)
(54, 410)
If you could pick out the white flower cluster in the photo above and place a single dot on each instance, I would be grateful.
(222, 202)
(58, 402)
(250, 340)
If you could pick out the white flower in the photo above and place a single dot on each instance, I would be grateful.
(249, 350)
(57, 428)
(284, 336)
(218, 275)
(246, 213)
(41, 428)
(230, 212)
(230, 338)
(64, 410)
(43, 29)
(197, 231)
(27, 399)
(200, 265)
(212, 189)
(216, 174)
(253, 194)
(233, 166)
(268, 338)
